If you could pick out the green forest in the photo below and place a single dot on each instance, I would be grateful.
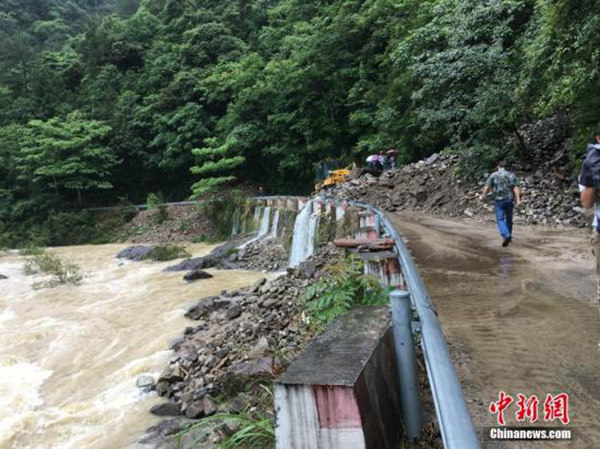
(106, 101)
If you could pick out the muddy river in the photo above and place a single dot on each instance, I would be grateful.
(517, 319)
(70, 356)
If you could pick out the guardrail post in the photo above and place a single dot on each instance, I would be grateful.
(407, 364)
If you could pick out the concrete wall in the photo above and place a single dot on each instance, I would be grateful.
(341, 393)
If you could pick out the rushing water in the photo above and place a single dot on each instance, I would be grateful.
(275, 225)
(303, 242)
(70, 356)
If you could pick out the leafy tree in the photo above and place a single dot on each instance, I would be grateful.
(67, 154)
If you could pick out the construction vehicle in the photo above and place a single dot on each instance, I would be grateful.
(330, 173)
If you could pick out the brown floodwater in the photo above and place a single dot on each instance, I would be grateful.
(70, 356)
(517, 319)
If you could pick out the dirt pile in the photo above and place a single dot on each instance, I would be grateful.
(434, 186)
(184, 224)
(240, 340)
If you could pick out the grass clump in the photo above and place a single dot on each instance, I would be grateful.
(164, 253)
(252, 428)
(345, 287)
(49, 264)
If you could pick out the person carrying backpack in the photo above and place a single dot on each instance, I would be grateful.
(589, 182)
(505, 189)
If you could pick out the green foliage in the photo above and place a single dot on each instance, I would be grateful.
(164, 253)
(222, 211)
(252, 432)
(42, 263)
(345, 286)
(128, 97)
(156, 201)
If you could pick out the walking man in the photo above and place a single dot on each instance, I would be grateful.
(589, 179)
(505, 189)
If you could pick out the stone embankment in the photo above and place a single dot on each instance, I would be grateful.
(235, 342)
(435, 186)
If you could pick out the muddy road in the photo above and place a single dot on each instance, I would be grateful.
(517, 319)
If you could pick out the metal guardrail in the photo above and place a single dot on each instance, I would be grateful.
(456, 425)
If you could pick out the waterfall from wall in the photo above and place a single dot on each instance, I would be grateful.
(303, 241)
(275, 225)
(264, 224)
(263, 221)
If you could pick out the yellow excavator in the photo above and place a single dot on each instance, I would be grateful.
(331, 173)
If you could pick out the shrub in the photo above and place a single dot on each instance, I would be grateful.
(346, 286)
(156, 202)
(50, 264)
(164, 253)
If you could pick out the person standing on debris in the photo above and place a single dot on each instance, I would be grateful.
(589, 180)
(505, 189)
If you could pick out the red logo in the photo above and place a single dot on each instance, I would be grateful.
(555, 408)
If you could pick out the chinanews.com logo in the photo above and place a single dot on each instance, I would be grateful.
(531, 410)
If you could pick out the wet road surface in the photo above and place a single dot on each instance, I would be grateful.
(517, 319)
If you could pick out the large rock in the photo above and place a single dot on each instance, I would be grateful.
(196, 275)
(166, 409)
(172, 373)
(234, 312)
(199, 263)
(145, 382)
(2, 277)
(206, 306)
(135, 253)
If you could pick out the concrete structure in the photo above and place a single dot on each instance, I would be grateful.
(341, 392)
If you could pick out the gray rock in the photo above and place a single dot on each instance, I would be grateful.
(272, 302)
(135, 253)
(234, 312)
(145, 382)
(2, 277)
(163, 388)
(195, 410)
(196, 275)
(209, 406)
(166, 409)
(199, 263)
(172, 373)
(257, 285)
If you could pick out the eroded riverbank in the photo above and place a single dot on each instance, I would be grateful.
(70, 356)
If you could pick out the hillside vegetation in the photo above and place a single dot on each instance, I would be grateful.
(101, 100)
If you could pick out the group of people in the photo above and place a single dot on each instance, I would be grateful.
(382, 161)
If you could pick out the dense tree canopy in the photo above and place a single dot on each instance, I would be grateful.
(186, 96)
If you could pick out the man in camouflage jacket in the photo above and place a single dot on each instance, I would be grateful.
(505, 188)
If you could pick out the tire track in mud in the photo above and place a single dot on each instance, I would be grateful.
(517, 319)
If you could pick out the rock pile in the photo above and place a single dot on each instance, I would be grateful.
(184, 224)
(264, 254)
(240, 338)
(433, 186)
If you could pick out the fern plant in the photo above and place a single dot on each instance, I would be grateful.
(345, 287)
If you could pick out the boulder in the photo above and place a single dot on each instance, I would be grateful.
(234, 312)
(135, 253)
(209, 261)
(196, 275)
(209, 406)
(172, 373)
(195, 410)
(145, 382)
(166, 409)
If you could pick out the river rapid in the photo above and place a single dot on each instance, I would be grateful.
(70, 356)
